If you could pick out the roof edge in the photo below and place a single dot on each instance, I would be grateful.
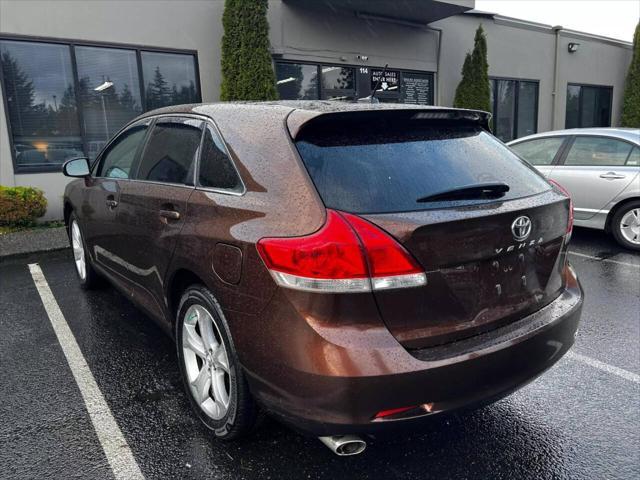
(543, 27)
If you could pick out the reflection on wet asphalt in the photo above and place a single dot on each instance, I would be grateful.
(574, 422)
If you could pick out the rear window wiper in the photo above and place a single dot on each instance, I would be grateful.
(475, 191)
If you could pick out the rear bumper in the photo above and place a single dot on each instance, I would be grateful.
(358, 384)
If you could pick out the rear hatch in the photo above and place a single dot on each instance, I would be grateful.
(491, 256)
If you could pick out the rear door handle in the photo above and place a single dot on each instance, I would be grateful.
(612, 176)
(170, 214)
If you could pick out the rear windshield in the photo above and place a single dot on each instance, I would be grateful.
(381, 167)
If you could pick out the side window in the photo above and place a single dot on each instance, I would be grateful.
(216, 169)
(539, 152)
(634, 158)
(171, 151)
(598, 151)
(117, 160)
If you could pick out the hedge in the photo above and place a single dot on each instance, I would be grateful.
(20, 206)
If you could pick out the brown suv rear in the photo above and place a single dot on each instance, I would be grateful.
(345, 267)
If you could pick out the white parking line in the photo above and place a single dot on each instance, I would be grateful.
(605, 367)
(600, 259)
(115, 447)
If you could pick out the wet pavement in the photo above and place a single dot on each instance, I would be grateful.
(576, 421)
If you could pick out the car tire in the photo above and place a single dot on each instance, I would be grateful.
(87, 275)
(202, 366)
(625, 224)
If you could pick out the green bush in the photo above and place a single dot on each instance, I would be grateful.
(631, 100)
(474, 90)
(247, 69)
(20, 206)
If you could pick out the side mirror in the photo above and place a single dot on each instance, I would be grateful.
(76, 167)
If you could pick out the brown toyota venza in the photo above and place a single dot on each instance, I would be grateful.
(346, 268)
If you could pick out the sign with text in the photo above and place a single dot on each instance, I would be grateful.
(388, 82)
(417, 88)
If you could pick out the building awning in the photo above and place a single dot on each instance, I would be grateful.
(415, 11)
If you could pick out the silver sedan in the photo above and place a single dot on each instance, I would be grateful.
(600, 168)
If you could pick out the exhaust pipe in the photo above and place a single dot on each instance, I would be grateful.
(344, 445)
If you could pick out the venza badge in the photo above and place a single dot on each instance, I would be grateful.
(521, 228)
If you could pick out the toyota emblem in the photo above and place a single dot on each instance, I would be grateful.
(521, 228)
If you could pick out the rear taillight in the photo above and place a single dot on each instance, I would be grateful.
(348, 254)
(564, 190)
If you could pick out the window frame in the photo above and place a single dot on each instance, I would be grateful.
(71, 44)
(582, 85)
(151, 121)
(516, 99)
(571, 140)
(226, 191)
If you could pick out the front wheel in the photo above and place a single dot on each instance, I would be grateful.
(625, 225)
(211, 373)
(86, 274)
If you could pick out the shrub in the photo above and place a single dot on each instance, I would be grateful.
(631, 100)
(473, 90)
(247, 70)
(20, 206)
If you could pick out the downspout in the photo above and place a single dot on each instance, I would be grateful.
(554, 94)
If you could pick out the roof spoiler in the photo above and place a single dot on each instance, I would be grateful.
(298, 119)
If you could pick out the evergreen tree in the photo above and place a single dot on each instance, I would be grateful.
(126, 100)
(631, 99)
(474, 90)
(230, 50)
(247, 71)
(158, 92)
(20, 94)
(66, 115)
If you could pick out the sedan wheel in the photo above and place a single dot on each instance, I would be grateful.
(625, 225)
(78, 250)
(206, 362)
(630, 226)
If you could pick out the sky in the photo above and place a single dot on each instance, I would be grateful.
(611, 18)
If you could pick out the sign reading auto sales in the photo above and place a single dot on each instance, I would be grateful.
(388, 81)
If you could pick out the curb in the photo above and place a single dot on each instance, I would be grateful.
(28, 242)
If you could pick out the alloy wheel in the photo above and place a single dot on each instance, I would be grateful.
(206, 362)
(630, 226)
(78, 250)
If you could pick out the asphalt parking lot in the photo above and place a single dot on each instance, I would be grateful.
(580, 420)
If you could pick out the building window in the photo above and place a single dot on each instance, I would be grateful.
(297, 81)
(588, 106)
(109, 89)
(66, 100)
(169, 78)
(41, 103)
(515, 108)
(301, 81)
(338, 83)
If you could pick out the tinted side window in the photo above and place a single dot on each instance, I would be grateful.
(216, 169)
(117, 160)
(171, 151)
(539, 152)
(598, 151)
